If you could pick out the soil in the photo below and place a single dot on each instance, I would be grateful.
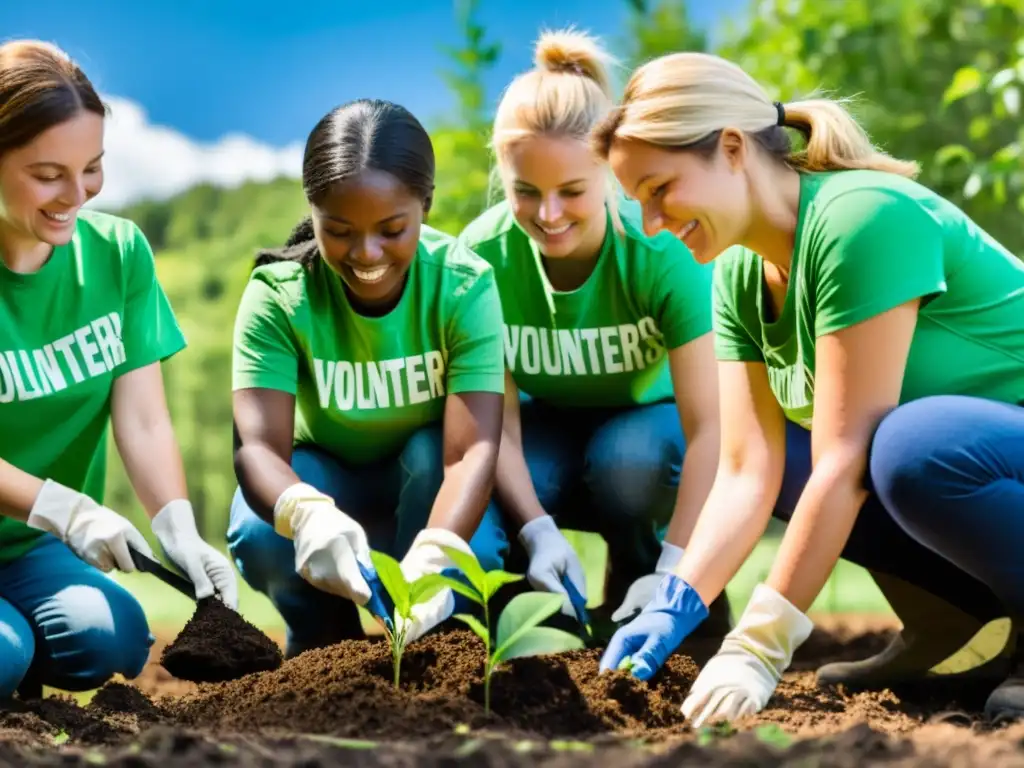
(217, 644)
(337, 705)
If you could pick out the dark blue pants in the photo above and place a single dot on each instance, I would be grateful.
(608, 471)
(391, 499)
(77, 625)
(946, 510)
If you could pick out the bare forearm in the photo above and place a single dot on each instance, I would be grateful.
(464, 492)
(698, 476)
(153, 462)
(819, 529)
(732, 521)
(263, 476)
(18, 491)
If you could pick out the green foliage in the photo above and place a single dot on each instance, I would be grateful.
(925, 75)
(519, 633)
(657, 28)
(461, 140)
(405, 597)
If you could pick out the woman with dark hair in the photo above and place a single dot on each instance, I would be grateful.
(85, 326)
(368, 387)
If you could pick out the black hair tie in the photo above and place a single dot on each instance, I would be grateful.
(782, 113)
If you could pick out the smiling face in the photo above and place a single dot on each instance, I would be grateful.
(556, 188)
(368, 230)
(44, 183)
(705, 202)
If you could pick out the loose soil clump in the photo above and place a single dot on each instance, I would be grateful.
(217, 644)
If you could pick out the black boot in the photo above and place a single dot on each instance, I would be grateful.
(934, 633)
(1006, 702)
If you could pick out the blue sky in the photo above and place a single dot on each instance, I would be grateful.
(210, 68)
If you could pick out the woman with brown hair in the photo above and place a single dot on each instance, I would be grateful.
(84, 326)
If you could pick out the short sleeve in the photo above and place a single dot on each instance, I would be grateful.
(475, 338)
(150, 332)
(681, 295)
(734, 341)
(265, 354)
(873, 251)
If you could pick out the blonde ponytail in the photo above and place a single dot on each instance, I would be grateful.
(565, 95)
(681, 99)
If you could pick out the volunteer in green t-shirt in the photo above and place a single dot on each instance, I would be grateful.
(611, 421)
(858, 307)
(84, 327)
(367, 385)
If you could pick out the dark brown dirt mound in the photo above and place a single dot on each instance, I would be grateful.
(346, 690)
(853, 747)
(217, 644)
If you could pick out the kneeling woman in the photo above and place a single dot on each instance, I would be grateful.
(611, 421)
(871, 339)
(368, 380)
(84, 327)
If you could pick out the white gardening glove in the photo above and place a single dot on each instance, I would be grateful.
(642, 590)
(551, 555)
(98, 535)
(207, 569)
(742, 676)
(426, 556)
(329, 545)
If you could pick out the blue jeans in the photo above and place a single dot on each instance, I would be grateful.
(946, 508)
(390, 499)
(613, 472)
(69, 621)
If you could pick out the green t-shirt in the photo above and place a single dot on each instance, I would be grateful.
(363, 385)
(605, 343)
(867, 242)
(93, 312)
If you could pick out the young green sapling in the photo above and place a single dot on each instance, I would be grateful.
(518, 632)
(404, 596)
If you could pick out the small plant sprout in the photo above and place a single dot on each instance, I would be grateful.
(404, 596)
(518, 632)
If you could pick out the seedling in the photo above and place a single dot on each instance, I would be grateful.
(518, 631)
(404, 596)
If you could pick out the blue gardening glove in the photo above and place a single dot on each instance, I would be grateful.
(673, 613)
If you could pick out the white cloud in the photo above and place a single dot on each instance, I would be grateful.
(144, 160)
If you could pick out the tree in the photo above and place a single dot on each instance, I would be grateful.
(657, 27)
(899, 58)
(461, 144)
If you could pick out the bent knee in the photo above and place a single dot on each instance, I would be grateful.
(16, 651)
(632, 482)
(934, 447)
(92, 633)
(422, 457)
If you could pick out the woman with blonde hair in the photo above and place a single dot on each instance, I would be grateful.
(870, 340)
(611, 419)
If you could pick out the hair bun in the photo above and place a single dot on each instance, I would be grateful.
(573, 52)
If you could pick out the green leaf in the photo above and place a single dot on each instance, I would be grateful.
(538, 641)
(774, 735)
(469, 566)
(475, 625)
(426, 587)
(966, 81)
(495, 580)
(463, 589)
(391, 576)
(523, 613)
